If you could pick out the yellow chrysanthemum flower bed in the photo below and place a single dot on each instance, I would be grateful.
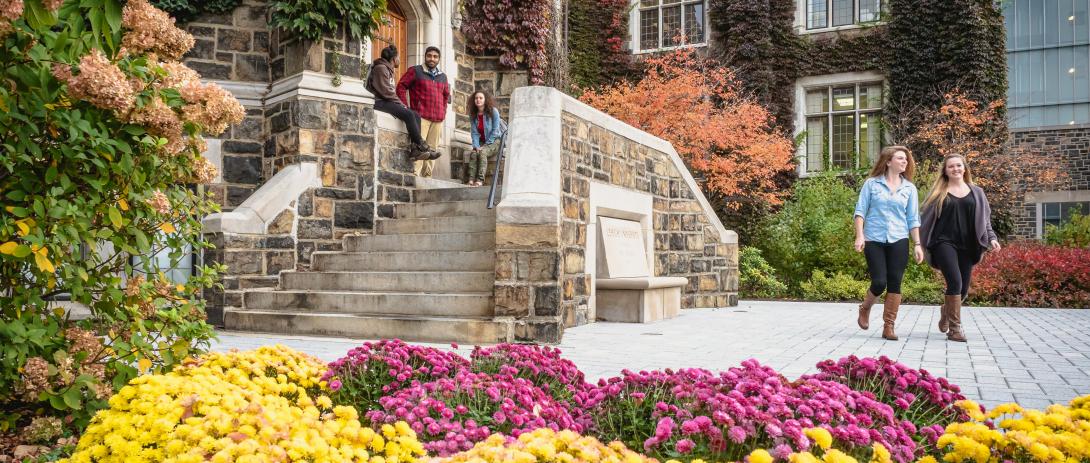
(1059, 434)
(261, 405)
(546, 446)
(823, 452)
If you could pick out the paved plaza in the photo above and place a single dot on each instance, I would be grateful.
(1032, 356)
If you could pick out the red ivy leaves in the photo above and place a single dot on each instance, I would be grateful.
(1032, 274)
(516, 29)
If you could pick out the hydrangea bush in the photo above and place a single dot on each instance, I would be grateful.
(101, 132)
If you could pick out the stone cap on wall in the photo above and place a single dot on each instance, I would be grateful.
(255, 214)
(532, 182)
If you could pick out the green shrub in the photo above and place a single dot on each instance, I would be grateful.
(922, 285)
(98, 147)
(758, 279)
(1075, 233)
(312, 18)
(813, 231)
(838, 287)
(187, 10)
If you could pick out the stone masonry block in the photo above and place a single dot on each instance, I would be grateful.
(527, 236)
(512, 300)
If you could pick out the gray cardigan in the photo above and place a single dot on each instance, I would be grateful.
(982, 222)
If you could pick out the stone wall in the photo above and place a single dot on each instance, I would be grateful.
(561, 150)
(686, 243)
(232, 46)
(1068, 151)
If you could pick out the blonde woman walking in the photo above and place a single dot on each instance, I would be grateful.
(885, 215)
(957, 230)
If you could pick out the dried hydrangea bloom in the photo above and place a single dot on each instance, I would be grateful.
(5, 28)
(99, 82)
(210, 107)
(52, 5)
(151, 30)
(35, 377)
(159, 202)
(203, 170)
(178, 74)
(161, 121)
(132, 287)
(11, 9)
(82, 340)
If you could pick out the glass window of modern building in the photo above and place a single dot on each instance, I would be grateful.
(1048, 59)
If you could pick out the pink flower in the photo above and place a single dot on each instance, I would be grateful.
(685, 446)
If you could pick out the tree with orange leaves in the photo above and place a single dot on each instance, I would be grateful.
(725, 137)
(964, 126)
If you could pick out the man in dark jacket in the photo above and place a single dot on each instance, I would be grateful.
(380, 82)
(428, 95)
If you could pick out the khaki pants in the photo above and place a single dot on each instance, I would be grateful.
(430, 131)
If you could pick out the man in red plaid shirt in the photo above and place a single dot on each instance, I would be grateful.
(428, 95)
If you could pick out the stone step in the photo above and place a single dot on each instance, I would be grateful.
(464, 224)
(372, 303)
(482, 241)
(439, 282)
(403, 261)
(475, 208)
(450, 194)
(431, 182)
(417, 329)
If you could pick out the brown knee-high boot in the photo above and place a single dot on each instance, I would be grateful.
(953, 313)
(864, 310)
(944, 320)
(889, 315)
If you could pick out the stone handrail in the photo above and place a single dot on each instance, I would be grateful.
(254, 215)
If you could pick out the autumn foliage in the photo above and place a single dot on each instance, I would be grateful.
(1032, 274)
(726, 138)
(964, 126)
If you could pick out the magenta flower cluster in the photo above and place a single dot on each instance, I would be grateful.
(721, 417)
(451, 414)
(915, 395)
(453, 403)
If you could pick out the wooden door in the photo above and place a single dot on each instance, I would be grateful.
(394, 33)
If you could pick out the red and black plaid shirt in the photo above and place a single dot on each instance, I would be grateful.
(428, 95)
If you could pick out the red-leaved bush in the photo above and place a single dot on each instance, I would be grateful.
(1032, 274)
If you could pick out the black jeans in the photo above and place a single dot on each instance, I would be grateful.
(408, 116)
(956, 266)
(886, 263)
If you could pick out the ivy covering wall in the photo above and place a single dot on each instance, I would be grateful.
(517, 30)
(184, 11)
(597, 38)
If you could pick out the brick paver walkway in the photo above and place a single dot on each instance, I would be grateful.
(1033, 356)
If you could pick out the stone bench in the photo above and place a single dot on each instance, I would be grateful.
(625, 291)
(639, 299)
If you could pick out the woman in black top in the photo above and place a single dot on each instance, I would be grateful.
(956, 230)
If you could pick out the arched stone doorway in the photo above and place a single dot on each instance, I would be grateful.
(395, 33)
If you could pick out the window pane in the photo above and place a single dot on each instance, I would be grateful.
(843, 141)
(817, 101)
(843, 98)
(671, 26)
(843, 13)
(816, 14)
(694, 22)
(817, 144)
(649, 2)
(870, 136)
(870, 96)
(649, 29)
(670, 2)
(869, 10)
(1051, 211)
(1068, 209)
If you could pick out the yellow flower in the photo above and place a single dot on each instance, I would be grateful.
(820, 436)
(760, 456)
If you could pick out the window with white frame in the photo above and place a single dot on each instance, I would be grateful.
(822, 14)
(1059, 213)
(671, 23)
(843, 126)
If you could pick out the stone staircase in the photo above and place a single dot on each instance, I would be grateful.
(425, 276)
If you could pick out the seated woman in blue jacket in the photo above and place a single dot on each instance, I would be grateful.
(486, 128)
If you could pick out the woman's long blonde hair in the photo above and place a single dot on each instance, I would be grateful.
(886, 155)
(942, 182)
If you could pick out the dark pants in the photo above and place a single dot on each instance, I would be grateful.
(408, 116)
(886, 264)
(956, 266)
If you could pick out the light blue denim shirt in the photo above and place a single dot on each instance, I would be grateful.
(888, 215)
